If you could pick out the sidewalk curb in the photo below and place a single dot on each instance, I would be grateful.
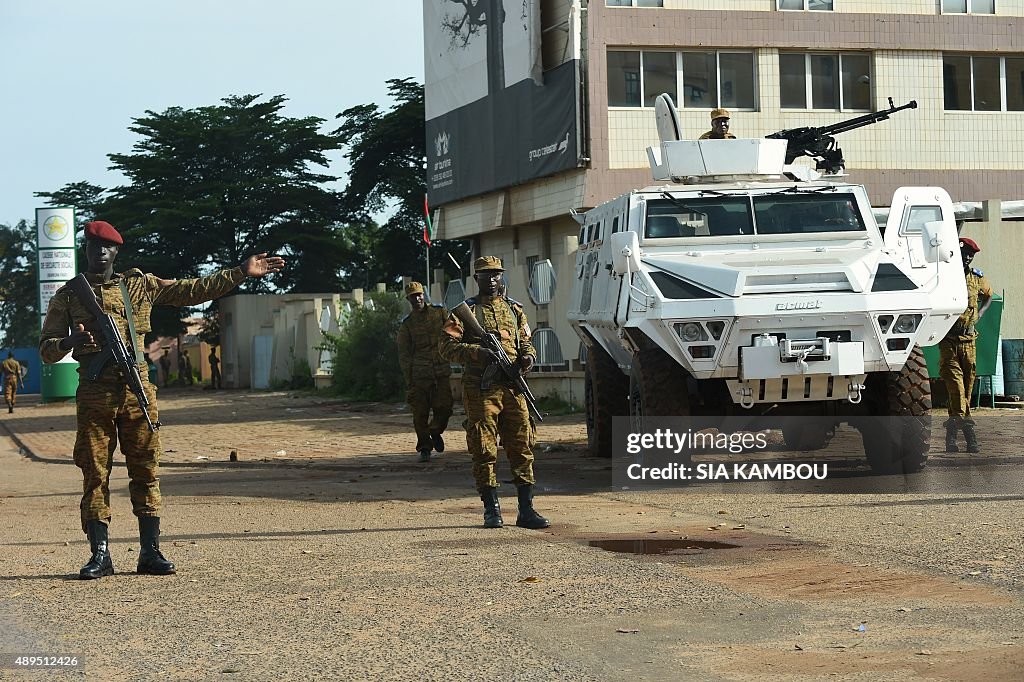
(325, 465)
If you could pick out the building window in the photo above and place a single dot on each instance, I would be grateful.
(659, 75)
(705, 79)
(825, 81)
(968, 6)
(635, 3)
(801, 5)
(975, 83)
(623, 79)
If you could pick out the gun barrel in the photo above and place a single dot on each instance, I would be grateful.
(866, 119)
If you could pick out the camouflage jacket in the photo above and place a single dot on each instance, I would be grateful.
(11, 369)
(418, 353)
(978, 292)
(501, 316)
(144, 291)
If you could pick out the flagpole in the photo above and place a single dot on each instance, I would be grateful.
(428, 234)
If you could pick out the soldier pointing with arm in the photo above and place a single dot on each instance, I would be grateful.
(108, 412)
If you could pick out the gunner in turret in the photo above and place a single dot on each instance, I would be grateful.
(719, 126)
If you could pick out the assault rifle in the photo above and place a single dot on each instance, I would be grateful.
(114, 347)
(819, 144)
(504, 363)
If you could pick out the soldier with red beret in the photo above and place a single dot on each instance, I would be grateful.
(957, 353)
(108, 411)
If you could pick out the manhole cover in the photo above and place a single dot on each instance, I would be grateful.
(668, 546)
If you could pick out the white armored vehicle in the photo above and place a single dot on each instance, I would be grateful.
(733, 288)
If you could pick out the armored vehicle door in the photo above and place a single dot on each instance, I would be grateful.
(910, 209)
(598, 296)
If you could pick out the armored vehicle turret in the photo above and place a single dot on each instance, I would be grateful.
(732, 288)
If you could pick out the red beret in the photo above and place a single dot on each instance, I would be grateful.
(98, 229)
(970, 243)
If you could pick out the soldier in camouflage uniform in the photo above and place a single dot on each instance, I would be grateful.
(497, 406)
(957, 356)
(427, 374)
(11, 370)
(108, 411)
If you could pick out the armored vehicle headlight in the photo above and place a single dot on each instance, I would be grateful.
(716, 327)
(906, 324)
(883, 322)
(691, 331)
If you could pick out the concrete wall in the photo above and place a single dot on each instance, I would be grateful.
(293, 321)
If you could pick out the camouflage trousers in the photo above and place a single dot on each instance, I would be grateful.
(11, 390)
(957, 367)
(424, 396)
(492, 412)
(108, 413)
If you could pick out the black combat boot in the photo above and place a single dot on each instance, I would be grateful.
(99, 564)
(492, 508)
(528, 516)
(151, 561)
(972, 438)
(952, 428)
(437, 441)
(424, 455)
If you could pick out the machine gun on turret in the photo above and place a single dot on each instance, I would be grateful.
(819, 144)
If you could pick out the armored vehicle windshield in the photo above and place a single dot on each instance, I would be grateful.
(772, 213)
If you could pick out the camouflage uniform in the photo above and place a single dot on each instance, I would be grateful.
(508, 321)
(427, 374)
(107, 410)
(12, 374)
(957, 356)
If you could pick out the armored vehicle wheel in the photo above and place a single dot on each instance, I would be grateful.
(899, 444)
(807, 436)
(657, 387)
(606, 394)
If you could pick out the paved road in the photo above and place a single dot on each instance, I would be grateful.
(345, 559)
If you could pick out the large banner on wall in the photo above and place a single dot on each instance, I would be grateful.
(495, 118)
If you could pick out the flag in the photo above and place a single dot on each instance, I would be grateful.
(428, 228)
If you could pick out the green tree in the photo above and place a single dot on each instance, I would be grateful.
(387, 153)
(86, 198)
(19, 294)
(210, 186)
(366, 351)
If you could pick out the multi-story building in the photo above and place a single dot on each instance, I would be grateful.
(775, 64)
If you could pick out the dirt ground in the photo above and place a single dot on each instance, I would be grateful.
(328, 552)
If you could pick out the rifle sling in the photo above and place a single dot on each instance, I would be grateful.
(130, 314)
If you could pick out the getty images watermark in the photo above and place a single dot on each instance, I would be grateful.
(682, 444)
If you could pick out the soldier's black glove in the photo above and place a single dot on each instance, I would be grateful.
(525, 363)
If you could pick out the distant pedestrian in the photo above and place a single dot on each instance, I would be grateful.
(426, 373)
(958, 356)
(184, 368)
(165, 367)
(12, 377)
(214, 369)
